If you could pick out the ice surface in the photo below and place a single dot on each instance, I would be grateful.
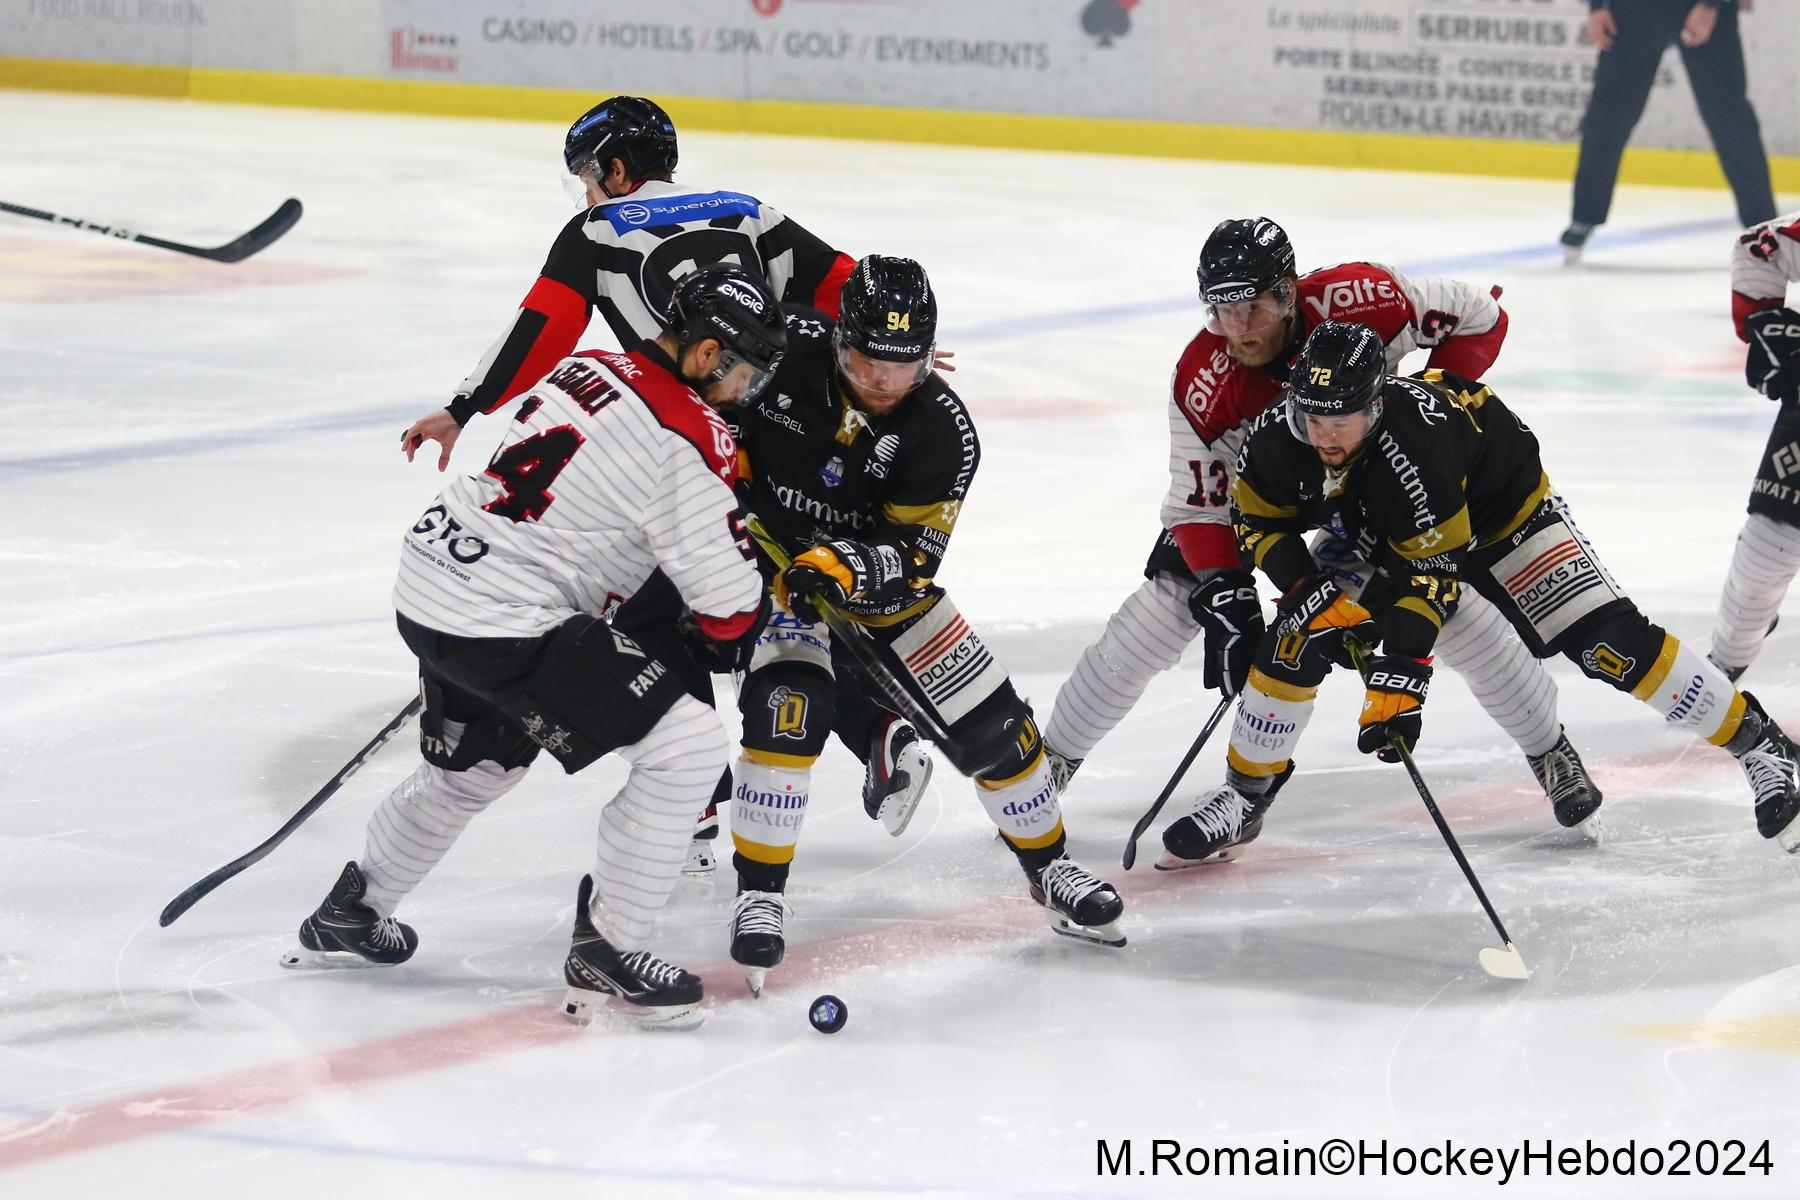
(203, 503)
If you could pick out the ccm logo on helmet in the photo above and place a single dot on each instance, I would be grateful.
(748, 299)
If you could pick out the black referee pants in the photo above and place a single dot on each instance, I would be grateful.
(1622, 81)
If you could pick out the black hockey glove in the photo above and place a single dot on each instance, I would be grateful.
(1773, 365)
(834, 572)
(1318, 611)
(724, 656)
(1393, 706)
(1229, 613)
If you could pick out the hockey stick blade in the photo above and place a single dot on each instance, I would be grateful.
(201, 888)
(1504, 964)
(1187, 760)
(237, 250)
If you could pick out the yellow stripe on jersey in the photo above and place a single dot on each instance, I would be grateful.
(1526, 510)
(1441, 538)
(774, 758)
(1244, 766)
(1036, 843)
(1734, 718)
(940, 515)
(1275, 689)
(1659, 670)
(1253, 505)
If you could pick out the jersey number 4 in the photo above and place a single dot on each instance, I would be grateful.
(527, 469)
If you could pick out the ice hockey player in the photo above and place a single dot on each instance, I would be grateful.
(637, 233)
(859, 458)
(1765, 261)
(1258, 314)
(1446, 485)
(613, 468)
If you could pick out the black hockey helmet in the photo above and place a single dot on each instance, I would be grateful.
(733, 305)
(1242, 258)
(628, 127)
(1340, 371)
(887, 313)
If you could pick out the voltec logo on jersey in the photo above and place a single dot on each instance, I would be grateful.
(1349, 295)
(411, 50)
(1198, 395)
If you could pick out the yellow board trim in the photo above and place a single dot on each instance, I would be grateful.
(1024, 131)
(1734, 719)
(774, 758)
(1036, 843)
(1244, 766)
(1275, 689)
(1659, 670)
(757, 852)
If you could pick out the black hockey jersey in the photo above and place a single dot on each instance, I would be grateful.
(1447, 468)
(815, 467)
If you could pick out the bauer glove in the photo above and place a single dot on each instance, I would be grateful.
(1230, 615)
(1315, 609)
(832, 573)
(1394, 705)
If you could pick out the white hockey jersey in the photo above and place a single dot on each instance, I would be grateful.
(1213, 397)
(611, 469)
(1764, 261)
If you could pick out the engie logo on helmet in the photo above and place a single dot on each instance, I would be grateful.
(1231, 293)
(742, 295)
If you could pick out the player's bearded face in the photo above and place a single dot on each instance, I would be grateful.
(1337, 438)
(1255, 330)
(878, 384)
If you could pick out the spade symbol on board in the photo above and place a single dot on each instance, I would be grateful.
(1107, 19)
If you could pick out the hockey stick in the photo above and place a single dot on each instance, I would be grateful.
(919, 712)
(1187, 760)
(236, 250)
(198, 891)
(1501, 964)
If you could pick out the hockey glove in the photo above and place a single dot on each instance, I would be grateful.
(1773, 365)
(830, 574)
(1315, 609)
(1393, 706)
(1229, 613)
(723, 655)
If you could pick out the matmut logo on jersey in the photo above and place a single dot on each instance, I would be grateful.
(1351, 295)
(655, 211)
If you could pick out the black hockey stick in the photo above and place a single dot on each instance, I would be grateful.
(917, 710)
(1187, 760)
(198, 891)
(236, 250)
(1501, 964)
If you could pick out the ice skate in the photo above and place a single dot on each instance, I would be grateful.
(1062, 769)
(1081, 906)
(1774, 774)
(1574, 798)
(345, 932)
(1218, 824)
(702, 857)
(758, 940)
(651, 993)
(894, 783)
(1574, 241)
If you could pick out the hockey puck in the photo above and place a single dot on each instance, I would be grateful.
(828, 1014)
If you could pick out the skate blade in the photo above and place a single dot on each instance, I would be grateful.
(582, 1007)
(754, 976)
(1572, 255)
(302, 959)
(1168, 862)
(1592, 829)
(701, 861)
(897, 810)
(1099, 935)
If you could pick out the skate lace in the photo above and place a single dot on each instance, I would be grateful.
(1771, 771)
(1557, 773)
(1061, 769)
(651, 969)
(1220, 815)
(386, 934)
(759, 912)
(1066, 880)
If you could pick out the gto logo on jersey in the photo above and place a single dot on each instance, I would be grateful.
(465, 549)
(1351, 293)
(790, 713)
